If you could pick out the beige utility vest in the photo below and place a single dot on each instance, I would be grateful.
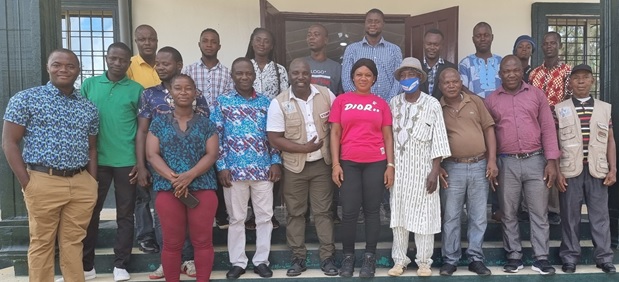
(295, 126)
(570, 139)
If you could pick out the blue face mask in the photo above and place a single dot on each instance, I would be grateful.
(410, 85)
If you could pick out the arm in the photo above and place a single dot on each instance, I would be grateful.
(140, 152)
(12, 134)
(183, 180)
(390, 170)
(491, 169)
(611, 155)
(549, 139)
(347, 63)
(337, 174)
(277, 140)
(431, 180)
(92, 155)
(153, 155)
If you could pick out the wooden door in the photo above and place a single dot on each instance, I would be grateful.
(273, 20)
(445, 20)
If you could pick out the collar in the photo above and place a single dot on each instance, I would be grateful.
(523, 87)
(217, 66)
(558, 66)
(139, 60)
(439, 62)
(465, 99)
(124, 81)
(53, 89)
(578, 103)
(313, 92)
(381, 41)
(254, 94)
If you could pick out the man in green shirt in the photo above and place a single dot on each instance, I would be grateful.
(116, 97)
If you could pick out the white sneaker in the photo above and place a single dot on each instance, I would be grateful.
(189, 268)
(121, 274)
(157, 274)
(88, 275)
(424, 270)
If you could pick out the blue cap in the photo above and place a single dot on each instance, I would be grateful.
(524, 38)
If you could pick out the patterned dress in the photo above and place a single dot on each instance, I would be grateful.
(419, 136)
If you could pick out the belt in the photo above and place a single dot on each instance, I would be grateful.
(467, 160)
(56, 172)
(523, 155)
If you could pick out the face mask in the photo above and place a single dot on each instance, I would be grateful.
(410, 85)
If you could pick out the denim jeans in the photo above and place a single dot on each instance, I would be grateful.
(467, 184)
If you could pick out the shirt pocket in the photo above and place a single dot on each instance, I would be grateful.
(567, 129)
(422, 131)
(567, 162)
(602, 133)
(293, 129)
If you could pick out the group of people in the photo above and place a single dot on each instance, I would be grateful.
(205, 140)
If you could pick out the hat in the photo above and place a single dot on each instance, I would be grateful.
(524, 38)
(413, 63)
(581, 67)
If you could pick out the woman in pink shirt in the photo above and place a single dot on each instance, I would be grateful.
(362, 151)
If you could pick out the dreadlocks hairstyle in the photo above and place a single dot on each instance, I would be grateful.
(251, 54)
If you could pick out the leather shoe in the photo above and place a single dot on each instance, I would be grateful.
(235, 272)
(263, 270)
(607, 267)
(296, 267)
(568, 267)
(479, 268)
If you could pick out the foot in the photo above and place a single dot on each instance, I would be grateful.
(222, 223)
(296, 267)
(275, 222)
(479, 268)
(336, 219)
(607, 267)
(568, 267)
(513, 265)
(157, 274)
(250, 224)
(121, 274)
(361, 218)
(397, 270)
(368, 268)
(235, 272)
(424, 270)
(447, 269)
(348, 265)
(543, 267)
(263, 270)
(554, 218)
(189, 268)
(328, 267)
(148, 247)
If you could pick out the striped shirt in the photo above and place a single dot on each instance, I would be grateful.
(211, 82)
(387, 57)
(584, 110)
(432, 73)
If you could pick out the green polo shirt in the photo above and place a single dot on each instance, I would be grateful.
(117, 103)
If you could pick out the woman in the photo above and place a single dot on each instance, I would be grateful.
(362, 152)
(182, 148)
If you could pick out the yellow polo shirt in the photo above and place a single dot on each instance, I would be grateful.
(141, 72)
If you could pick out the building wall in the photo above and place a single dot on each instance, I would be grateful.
(235, 19)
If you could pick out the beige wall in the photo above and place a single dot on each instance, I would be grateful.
(179, 24)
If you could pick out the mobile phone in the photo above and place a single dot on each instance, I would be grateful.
(190, 201)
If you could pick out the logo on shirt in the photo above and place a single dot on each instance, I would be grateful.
(361, 107)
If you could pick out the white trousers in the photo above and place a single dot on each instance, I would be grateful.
(237, 196)
(424, 243)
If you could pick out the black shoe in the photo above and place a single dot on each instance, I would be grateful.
(607, 267)
(348, 265)
(235, 272)
(250, 224)
(513, 265)
(447, 269)
(149, 247)
(554, 218)
(543, 267)
(328, 267)
(222, 223)
(568, 267)
(296, 267)
(479, 268)
(263, 270)
(368, 268)
(275, 223)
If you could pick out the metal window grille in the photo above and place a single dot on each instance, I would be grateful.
(580, 38)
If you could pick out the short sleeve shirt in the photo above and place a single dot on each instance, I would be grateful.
(479, 75)
(157, 100)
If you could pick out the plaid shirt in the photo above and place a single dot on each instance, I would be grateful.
(432, 72)
(553, 81)
(211, 82)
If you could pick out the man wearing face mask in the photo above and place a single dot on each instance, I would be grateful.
(420, 146)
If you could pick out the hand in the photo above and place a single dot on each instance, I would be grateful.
(143, 176)
(182, 180)
(611, 178)
(133, 175)
(561, 182)
(181, 192)
(225, 178)
(442, 177)
(24, 183)
(550, 173)
(310, 146)
(389, 176)
(337, 175)
(275, 173)
(492, 171)
(431, 180)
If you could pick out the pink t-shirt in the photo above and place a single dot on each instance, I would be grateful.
(362, 118)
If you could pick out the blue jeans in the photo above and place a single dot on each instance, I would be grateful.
(467, 184)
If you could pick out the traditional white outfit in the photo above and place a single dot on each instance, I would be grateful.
(419, 136)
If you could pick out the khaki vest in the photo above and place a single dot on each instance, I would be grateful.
(295, 126)
(570, 139)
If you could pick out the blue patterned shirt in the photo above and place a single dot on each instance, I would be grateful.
(243, 145)
(57, 126)
(182, 150)
(157, 100)
(479, 75)
(387, 57)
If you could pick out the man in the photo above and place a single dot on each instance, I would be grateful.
(524, 47)
(142, 70)
(528, 153)
(433, 64)
(57, 169)
(480, 71)
(585, 129)
(247, 166)
(155, 101)
(470, 130)
(116, 98)
(297, 126)
(325, 72)
(386, 55)
(552, 77)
